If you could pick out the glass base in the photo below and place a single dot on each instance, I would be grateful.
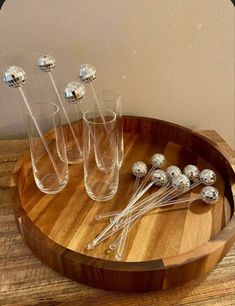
(101, 198)
(74, 157)
(49, 184)
(104, 196)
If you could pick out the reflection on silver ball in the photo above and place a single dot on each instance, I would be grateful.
(74, 92)
(192, 172)
(158, 160)
(139, 169)
(209, 195)
(87, 73)
(172, 171)
(46, 63)
(14, 76)
(181, 182)
(159, 177)
(207, 177)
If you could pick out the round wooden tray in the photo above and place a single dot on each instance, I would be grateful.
(166, 248)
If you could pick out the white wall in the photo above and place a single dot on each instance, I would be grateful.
(171, 59)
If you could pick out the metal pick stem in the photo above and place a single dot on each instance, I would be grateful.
(65, 113)
(40, 134)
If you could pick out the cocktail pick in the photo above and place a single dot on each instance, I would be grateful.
(209, 195)
(106, 233)
(15, 77)
(139, 170)
(47, 64)
(87, 74)
(206, 177)
(74, 92)
(173, 171)
(179, 182)
(191, 171)
(158, 161)
(180, 185)
(159, 180)
(94, 242)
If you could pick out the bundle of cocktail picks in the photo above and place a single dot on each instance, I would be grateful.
(172, 185)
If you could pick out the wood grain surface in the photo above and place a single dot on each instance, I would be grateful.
(26, 281)
(165, 249)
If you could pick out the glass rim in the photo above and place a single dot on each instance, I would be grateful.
(97, 111)
(54, 112)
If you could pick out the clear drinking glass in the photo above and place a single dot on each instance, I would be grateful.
(100, 151)
(47, 148)
(73, 133)
(112, 100)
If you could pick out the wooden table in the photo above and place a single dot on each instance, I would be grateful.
(26, 281)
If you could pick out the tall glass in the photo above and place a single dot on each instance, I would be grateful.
(100, 151)
(113, 100)
(47, 148)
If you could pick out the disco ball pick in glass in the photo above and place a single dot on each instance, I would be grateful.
(46, 63)
(74, 92)
(87, 74)
(15, 77)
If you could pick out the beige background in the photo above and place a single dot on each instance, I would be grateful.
(171, 59)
